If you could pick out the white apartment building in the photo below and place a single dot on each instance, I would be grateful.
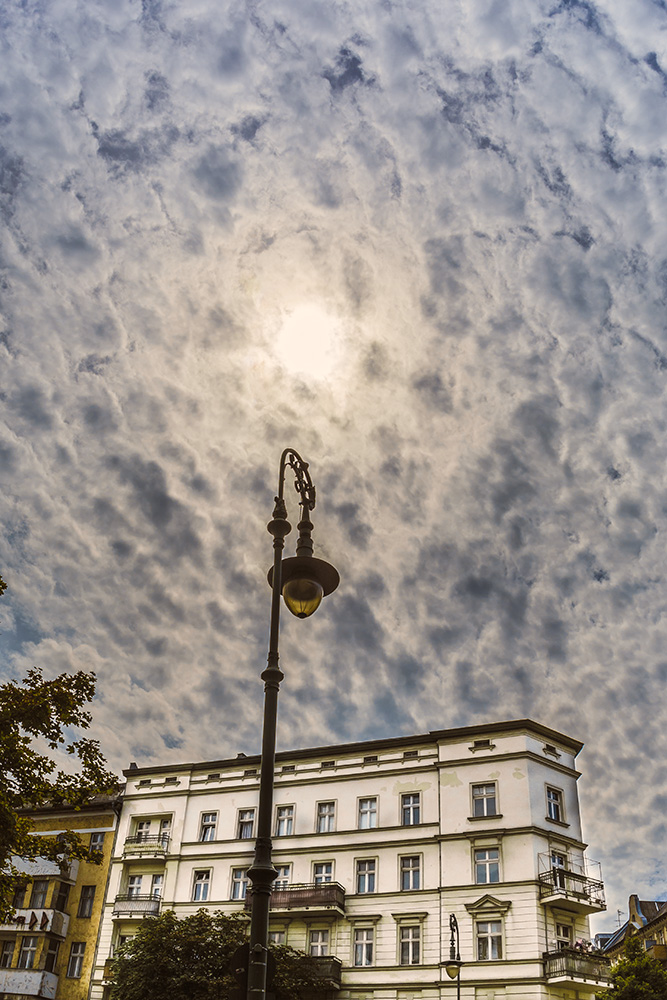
(376, 844)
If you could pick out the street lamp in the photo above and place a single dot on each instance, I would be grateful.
(303, 581)
(453, 966)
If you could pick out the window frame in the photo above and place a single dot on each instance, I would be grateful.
(28, 949)
(367, 877)
(283, 880)
(38, 896)
(411, 942)
(201, 883)
(320, 816)
(486, 863)
(134, 883)
(289, 819)
(484, 798)
(242, 824)
(371, 813)
(97, 840)
(239, 877)
(488, 937)
(86, 901)
(408, 811)
(51, 957)
(323, 944)
(403, 870)
(317, 880)
(7, 949)
(558, 801)
(274, 936)
(563, 942)
(75, 960)
(157, 887)
(364, 948)
(206, 825)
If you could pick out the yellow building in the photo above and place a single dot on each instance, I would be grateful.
(49, 947)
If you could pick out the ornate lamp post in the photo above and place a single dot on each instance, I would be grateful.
(303, 581)
(453, 966)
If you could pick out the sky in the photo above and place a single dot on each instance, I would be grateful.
(423, 244)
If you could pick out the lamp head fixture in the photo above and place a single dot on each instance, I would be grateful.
(304, 580)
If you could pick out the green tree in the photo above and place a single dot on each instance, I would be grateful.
(42, 710)
(637, 976)
(191, 958)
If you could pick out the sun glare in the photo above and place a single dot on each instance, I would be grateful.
(309, 342)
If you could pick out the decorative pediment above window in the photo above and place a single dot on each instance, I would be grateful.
(410, 918)
(488, 904)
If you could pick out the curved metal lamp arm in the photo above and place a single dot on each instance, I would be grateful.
(303, 484)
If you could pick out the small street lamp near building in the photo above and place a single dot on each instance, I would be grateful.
(302, 581)
(453, 966)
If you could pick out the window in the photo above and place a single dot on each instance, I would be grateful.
(368, 813)
(27, 952)
(410, 809)
(409, 754)
(328, 763)
(97, 841)
(484, 800)
(239, 883)
(563, 936)
(51, 956)
(171, 781)
(289, 767)
(144, 782)
(410, 872)
(38, 894)
(486, 865)
(371, 759)
(326, 816)
(284, 821)
(322, 872)
(165, 831)
(76, 959)
(246, 824)
(363, 946)
(555, 804)
(134, 886)
(143, 829)
(276, 937)
(214, 776)
(319, 943)
(558, 866)
(201, 885)
(284, 876)
(7, 954)
(60, 902)
(208, 824)
(18, 900)
(489, 940)
(249, 772)
(366, 875)
(157, 881)
(410, 941)
(86, 901)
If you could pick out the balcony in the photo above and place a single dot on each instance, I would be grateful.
(310, 897)
(657, 951)
(576, 969)
(136, 906)
(570, 888)
(146, 846)
(328, 970)
(26, 919)
(28, 983)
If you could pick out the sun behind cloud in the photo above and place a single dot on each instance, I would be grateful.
(309, 342)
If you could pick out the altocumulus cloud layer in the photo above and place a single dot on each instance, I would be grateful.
(476, 194)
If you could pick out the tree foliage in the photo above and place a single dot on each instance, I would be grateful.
(191, 957)
(44, 710)
(636, 976)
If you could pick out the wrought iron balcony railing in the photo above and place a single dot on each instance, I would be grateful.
(146, 844)
(139, 906)
(307, 896)
(573, 885)
(576, 966)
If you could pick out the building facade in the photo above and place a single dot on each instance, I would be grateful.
(648, 921)
(375, 845)
(48, 949)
